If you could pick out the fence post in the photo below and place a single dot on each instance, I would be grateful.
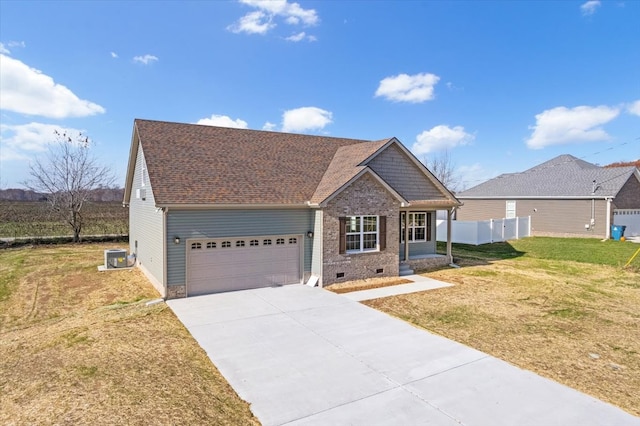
(491, 230)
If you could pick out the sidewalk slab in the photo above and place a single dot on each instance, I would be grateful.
(419, 283)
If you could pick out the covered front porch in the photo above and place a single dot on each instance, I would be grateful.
(417, 233)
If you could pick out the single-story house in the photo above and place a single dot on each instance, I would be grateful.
(564, 196)
(215, 209)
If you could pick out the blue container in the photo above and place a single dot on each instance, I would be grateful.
(617, 231)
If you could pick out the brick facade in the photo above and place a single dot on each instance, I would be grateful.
(366, 196)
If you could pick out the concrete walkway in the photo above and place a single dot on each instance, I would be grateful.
(306, 356)
(419, 283)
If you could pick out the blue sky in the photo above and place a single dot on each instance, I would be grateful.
(502, 86)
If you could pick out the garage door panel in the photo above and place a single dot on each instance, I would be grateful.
(225, 264)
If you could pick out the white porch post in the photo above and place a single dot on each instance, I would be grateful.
(406, 236)
(449, 252)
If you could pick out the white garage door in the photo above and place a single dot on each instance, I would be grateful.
(629, 218)
(225, 264)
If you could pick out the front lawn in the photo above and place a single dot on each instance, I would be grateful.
(563, 308)
(78, 346)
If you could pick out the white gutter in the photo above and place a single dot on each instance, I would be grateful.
(231, 206)
(534, 197)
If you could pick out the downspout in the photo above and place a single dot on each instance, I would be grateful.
(608, 221)
(592, 222)
(165, 256)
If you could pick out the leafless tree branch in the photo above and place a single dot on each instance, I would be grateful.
(67, 176)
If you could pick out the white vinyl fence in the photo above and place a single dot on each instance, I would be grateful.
(484, 231)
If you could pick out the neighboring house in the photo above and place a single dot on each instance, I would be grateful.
(564, 196)
(215, 209)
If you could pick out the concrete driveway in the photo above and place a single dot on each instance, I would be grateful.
(305, 356)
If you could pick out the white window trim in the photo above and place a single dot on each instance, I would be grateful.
(362, 233)
(413, 234)
(510, 209)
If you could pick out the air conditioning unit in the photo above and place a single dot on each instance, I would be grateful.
(115, 258)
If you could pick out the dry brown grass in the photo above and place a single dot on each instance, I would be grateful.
(81, 347)
(576, 323)
(366, 284)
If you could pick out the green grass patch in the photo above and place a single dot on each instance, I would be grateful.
(568, 313)
(75, 337)
(87, 370)
(11, 271)
(584, 250)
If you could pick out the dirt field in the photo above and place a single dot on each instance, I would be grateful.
(82, 347)
(576, 323)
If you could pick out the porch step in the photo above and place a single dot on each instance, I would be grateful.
(405, 269)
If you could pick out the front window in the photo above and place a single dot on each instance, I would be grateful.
(419, 226)
(361, 233)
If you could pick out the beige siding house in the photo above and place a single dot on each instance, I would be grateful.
(217, 209)
(564, 196)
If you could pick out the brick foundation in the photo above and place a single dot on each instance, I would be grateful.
(430, 262)
(176, 291)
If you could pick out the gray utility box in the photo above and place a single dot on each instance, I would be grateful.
(115, 258)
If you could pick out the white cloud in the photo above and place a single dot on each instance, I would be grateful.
(301, 36)
(472, 175)
(114, 55)
(589, 8)
(269, 126)
(260, 21)
(256, 22)
(25, 139)
(146, 59)
(223, 121)
(408, 88)
(305, 118)
(562, 125)
(634, 108)
(441, 137)
(4, 50)
(453, 87)
(27, 90)
(291, 12)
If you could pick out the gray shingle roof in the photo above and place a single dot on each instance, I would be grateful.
(564, 176)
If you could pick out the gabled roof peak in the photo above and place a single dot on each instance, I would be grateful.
(562, 176)
(566, 161)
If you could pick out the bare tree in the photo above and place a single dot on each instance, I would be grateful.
(443, 168)
(67, 176)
